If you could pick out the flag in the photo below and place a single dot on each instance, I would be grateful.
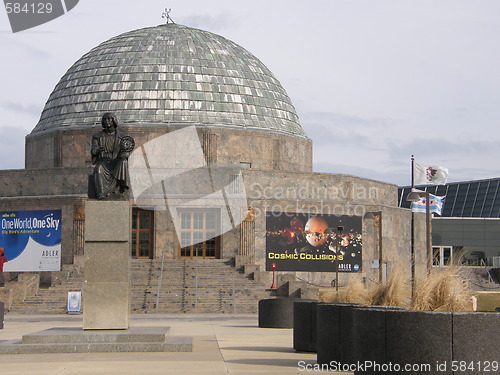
(435, 205)
(430, 175)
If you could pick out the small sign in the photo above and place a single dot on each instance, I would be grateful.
(74, 302)
(375, 264)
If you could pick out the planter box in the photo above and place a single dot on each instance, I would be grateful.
(305, 326)
(476, 338)
(369, 335)
(419, 338)
(334, 332)
(435, 340)
(277, 312)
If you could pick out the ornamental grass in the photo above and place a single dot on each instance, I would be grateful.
(442, 290)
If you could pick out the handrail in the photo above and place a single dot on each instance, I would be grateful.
(160, 279)
(490, 279)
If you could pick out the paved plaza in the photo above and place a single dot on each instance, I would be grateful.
(222, 344)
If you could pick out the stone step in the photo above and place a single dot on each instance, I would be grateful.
(76, 340)
(185, 286)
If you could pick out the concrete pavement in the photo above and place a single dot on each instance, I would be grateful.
(222, 344)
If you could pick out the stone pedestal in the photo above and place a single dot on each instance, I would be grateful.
(106, 292)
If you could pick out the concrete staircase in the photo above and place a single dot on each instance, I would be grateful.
(183, 286)
(54, 299)
(194, 286)
(480, 278)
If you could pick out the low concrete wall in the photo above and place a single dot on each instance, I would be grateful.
(488, 301)
(6, 297)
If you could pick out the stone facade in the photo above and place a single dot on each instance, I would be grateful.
(70, 148)
(245, 125)
(315, 193)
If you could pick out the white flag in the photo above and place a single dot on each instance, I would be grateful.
(430, 175)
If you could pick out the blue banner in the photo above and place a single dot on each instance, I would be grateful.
(31, 240)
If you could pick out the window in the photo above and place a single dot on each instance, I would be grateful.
(199, 233)
(449, 206)
(142, 234)
(442, 256)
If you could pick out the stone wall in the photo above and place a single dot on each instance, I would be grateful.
(315, 193)
(263, 150)
(44, 182)
(319, 194)
(340, 195)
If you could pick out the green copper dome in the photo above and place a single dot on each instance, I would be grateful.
(172, 75)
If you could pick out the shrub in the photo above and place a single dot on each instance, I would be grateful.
(355, 292)
(394, 292)
(442, 290)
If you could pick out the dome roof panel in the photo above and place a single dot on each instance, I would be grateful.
(171, 74)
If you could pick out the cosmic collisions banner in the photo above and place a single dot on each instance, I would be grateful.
(313, 243)
(31, 240)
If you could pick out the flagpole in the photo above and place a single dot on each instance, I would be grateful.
(412, 234)
(433, 178)
(412, 172)
(428, 240)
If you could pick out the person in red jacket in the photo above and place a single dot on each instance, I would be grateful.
(3, 258)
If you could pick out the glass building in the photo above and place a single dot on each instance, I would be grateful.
(478, 198)
(468, 231)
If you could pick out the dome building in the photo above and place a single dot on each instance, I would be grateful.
(160, 81)
(161, 78)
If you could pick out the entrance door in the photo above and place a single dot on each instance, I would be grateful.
(142, 234)
(199, 229)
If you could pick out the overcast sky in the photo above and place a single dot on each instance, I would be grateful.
(373, 81)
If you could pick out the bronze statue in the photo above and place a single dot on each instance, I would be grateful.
(110, 151)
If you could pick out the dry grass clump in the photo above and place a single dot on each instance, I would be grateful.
(394, 292)
(355, 292)
(442, 290)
